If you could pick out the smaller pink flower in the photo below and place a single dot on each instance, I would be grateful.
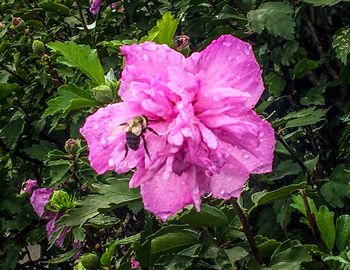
(95, 6)
(39, 199)
(51, 228)
(29, 186)
(134, 263)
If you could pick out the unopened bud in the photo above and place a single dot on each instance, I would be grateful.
(181, 42)
(45, 58)
(72, 146)
(18, 24)
(90, 261)
(38, 47)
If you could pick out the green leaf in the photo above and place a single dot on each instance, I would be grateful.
(64, 257)
(276, 17)
(308, 116)
(235, 254)
(173, 241)
(285, 168)
(164, 31)
(325, 224)
(110, 250)
(324, 2)
(53, 7)
(342, 232)
(11, 132)
(81, 57)
(341, 44)
(303, 67)
(314, 96)
(337, 190)
(114, 194)
(290, 252)
(38, 151)
(208, 216)
(266, 197)
(275, 84)
(70, 97)
(7, 88)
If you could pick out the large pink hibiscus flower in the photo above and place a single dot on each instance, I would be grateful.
(210, 139)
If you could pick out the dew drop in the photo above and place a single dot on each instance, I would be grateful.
(245, 155)
(261, 134)
(226, 44)
(261, 163)
(111, 162)
(222, 191)
(145, 57)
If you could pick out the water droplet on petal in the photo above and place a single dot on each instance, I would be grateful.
(111, 162)
(246, 155)
(222, 191)
(145, 57)
(227, 44)
(261, 134)
(261, 163)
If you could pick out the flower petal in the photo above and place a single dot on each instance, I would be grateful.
(40, 197)
(228, 62)
(105, 134)
(147, 63)
(230, 181)
(166, 193)
(248, 138)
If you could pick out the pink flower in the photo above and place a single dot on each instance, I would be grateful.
(95, 6)
(39, 199)
(134, 263)
(51, 228)
(29, 186)
(210, 139)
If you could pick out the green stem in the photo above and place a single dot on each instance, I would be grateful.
(247, 231)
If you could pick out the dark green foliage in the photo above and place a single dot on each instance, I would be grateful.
(59, 63)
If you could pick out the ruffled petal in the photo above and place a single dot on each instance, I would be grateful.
(104, 132)
(166, 193)
(147, 63)
(228, 62)
(249, 139)
(230, 181)
(40, 197)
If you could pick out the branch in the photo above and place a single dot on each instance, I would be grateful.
(81, 16)
(312, 220)
(13, 73)
(247, 231)
(319, 48)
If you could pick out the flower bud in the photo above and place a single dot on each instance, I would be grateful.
(72, 146)
(45, 58)
(38, 47)
(61, 201)
(181, 42)
(18, 24)
(90, 261)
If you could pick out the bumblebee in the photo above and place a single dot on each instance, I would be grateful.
(135, 131)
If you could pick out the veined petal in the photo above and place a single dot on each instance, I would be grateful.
(166, 193)
(105, 133)
(250, 141)
(147, 62)
(228, 62)
(40, 197)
